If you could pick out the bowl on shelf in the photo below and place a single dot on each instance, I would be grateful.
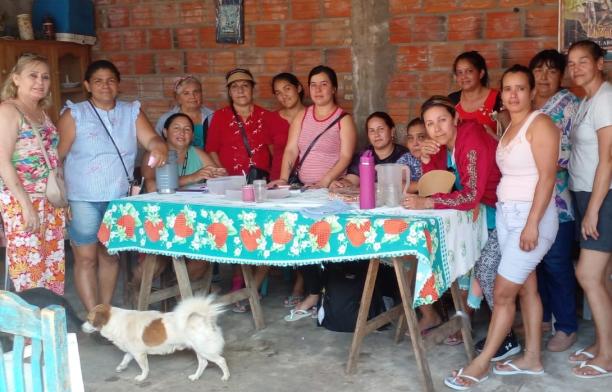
(71, 84)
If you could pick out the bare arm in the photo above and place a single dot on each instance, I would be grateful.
(148, 174)
(291, 148)
(151, 141)
(544, 138)
(9, 125)
(215, 158)
(210, 170)
(601, 183)
(348, 139)
(67, 133)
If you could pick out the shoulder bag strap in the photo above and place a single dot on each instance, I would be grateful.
(129, 178)
(243, 133)
(313, 142)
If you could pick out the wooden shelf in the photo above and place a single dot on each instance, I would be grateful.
(72, 90)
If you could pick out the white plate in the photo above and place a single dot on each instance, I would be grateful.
(71, 84)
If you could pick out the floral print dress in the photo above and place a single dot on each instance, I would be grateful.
(36, 259)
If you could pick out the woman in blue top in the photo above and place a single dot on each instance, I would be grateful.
(99, 139)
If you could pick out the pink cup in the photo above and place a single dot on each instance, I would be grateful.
(248, 193)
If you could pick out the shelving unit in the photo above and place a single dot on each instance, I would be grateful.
(68, 62)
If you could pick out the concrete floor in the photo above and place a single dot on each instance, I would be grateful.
(300, 356)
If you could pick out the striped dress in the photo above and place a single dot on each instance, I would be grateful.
(326, 151)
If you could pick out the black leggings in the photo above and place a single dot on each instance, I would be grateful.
(313, 279)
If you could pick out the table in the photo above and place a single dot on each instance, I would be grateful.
(444, 244)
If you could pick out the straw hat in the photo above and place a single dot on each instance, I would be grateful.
(435, 181)
(239, 74)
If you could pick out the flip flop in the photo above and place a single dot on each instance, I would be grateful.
(453, 341)
(515, 370)
(297, 314)
(581, 351)
(452, 383)
(240, 307)
(600, 371)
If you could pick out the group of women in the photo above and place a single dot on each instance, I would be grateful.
(514, 168)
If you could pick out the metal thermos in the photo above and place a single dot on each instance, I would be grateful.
(166, 176)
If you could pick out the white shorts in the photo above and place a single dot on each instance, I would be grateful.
(516, 264)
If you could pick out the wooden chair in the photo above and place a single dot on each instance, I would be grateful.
(45, 331)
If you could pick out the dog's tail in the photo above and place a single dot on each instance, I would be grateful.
(200, 307)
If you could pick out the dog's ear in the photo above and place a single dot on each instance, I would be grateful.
(99, 316)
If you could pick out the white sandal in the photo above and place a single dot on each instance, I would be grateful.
(581, 351)
(451, 381)
(297, 314)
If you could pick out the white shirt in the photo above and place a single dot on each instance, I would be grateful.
(593, 114)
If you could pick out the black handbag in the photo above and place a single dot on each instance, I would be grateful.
(294, 176)
(254, 172)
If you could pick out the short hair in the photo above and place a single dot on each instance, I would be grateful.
(441, 101)
(289, 78)
(383, 116)
(476, 59)
(550, 58)
(518, 68)
(174, 116)
(94, 67)
(414, 122)
(9, 88)
(593, 48)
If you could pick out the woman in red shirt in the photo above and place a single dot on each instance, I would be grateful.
(224, 140)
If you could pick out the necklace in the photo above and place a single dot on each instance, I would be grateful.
(184, 169)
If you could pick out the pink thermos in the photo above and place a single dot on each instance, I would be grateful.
(367, 181)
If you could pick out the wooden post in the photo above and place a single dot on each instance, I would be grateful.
(182, 277)
(362, 317)
(413, 326)
(249, 281)
(466, 329)
(148, 269)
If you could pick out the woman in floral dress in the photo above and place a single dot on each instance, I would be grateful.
(34, 228)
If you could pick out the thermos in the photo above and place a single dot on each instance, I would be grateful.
(166, 176)
(367, 179)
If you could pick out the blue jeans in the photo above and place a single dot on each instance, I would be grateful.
(557, 281)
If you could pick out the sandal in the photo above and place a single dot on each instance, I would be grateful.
(297, 314)
(452, 383)
(241, 307)
(453, 340)
(580, 352)
(292, 300)
(601, 372)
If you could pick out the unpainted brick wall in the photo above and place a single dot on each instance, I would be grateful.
(153, 41)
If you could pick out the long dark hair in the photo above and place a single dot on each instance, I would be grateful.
(289, 78)
(97, 65)
(476, 59)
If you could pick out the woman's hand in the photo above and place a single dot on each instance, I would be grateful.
(430, 147)
(340, 183)
(277, 183)
(588, 228)
(30, 217)
(529, 237)
(207, 172)
(414, 202)
(158, 154)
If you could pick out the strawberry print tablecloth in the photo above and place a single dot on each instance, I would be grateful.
(208, 227)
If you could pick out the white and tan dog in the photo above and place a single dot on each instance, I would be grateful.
(192, 325)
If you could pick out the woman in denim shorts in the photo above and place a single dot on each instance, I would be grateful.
(98, 141)
(590, 169)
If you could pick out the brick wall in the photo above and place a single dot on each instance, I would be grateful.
(152, 41)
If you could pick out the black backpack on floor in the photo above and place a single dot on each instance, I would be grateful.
(342, 296)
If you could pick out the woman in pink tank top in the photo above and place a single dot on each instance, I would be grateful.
(526, 223)
(331, 154)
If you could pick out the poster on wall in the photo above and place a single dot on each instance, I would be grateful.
(585, 19)
(230, 21)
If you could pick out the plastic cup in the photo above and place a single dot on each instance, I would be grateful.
(260, 187)
(248, 193)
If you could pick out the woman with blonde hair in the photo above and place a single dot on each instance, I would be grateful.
(33, 227)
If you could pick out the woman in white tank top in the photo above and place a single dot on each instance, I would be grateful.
(527, 224)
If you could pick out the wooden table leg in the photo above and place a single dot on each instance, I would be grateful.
(207, 279)
(182, 277)
(148, 269)
(466, 329)
(249, 281)
(418, 345)
(362, 317)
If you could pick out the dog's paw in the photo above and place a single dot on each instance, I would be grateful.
(120, 368)
(225, 377)
(193, 377)
(140, 377)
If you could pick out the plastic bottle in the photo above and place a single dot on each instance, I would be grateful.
(367, 186)
(166, 176)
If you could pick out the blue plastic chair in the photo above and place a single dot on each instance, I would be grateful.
(46, 330)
